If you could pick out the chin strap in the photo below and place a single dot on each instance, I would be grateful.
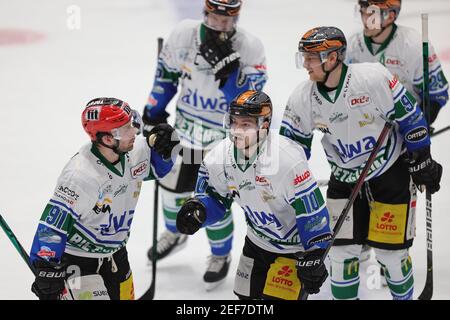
(327, 73)
(113, 148)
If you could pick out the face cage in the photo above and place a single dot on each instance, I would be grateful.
(230, 29)
(136, 123)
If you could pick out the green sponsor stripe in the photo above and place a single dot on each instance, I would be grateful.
(299, 207)
(220, 234)
(305, 142)
(401, 289)
(319, 197)
(81, 241)
(344, 293)
(170, 214)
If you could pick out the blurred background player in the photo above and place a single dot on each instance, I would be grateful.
(87, 222)
(349, 105)
(399, 49)
(211, 62)
(268, 176)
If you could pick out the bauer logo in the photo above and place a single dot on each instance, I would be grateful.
(139, 169)
(359, 101)
(417, 134)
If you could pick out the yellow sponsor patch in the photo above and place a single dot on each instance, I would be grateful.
(127, 289)
(387, 223)
(282, 281)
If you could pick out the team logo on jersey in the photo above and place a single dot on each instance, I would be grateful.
(393, 82)
(122, 189)
(246, 185)
(316, 223)
(368, 120)
(417, 134)
(359, 101)
(46, 253)
(262, 181)
(323, 128)
(102, 207)
(338, 117)
(263, 219)
(304, 177)
(393, 62)
(351, 150)
(234, 192)
(139, 169)
(48, 235)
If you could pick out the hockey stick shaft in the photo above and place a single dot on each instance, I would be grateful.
(358, 185)
(437, 132)
(427, 292)
(150, 293)
(12, 237)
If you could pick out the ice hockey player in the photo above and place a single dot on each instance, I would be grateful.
(211, 62)
(348, 104)
(85, 226)
(268, 176)
(399, 49)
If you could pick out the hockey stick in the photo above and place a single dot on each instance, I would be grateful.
(427, 292)
(359, 183)
(150, 293)
(10, 234)
(435, 133)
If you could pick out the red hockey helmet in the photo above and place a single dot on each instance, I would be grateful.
(107, 114)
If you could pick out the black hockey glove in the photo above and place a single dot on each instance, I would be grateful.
(150, 122)
(164, 140)
(311, 270)
(217, 50)
(424, 170)
(49, 282)
(191, 216)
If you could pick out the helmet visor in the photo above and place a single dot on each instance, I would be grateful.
(130, 129)
(220, 23)
(309, 60)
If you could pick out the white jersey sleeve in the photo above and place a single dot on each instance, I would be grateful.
(297, 123)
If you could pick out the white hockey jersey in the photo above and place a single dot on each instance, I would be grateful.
(401, 54)
(93, 204)
(201, 104)
(283, 206)
(352, 120)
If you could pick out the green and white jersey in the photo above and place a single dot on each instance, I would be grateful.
(351, 119)
(282, 203)
(93, 204)
(201, 104)
(401, 54)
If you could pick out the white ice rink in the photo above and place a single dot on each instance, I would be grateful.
(50, 68)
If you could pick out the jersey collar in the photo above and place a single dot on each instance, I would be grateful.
(386, 42)
(324, 93)
(108, 164)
